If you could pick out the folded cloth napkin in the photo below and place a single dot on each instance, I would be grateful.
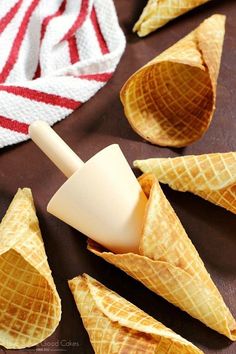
(55, 55)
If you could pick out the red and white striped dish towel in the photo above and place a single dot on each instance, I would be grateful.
(54, 55)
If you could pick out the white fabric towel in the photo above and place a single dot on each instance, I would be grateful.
(55, 55)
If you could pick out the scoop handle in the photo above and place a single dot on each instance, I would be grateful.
(55, 148)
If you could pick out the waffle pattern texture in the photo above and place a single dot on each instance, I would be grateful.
(169, 264)
(116, 326)
(210, 176)
(158, 12)
(30, 308)
(171, 100)
(55, 55)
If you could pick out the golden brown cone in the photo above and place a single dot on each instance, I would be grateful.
(116, 326)
(158, 12)
(30, 308)
(211, 176)
(169, 264)
(171, 100)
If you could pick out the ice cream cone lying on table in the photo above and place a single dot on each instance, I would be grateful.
(159, 12)
(115, 325)
(169, 264)
(30, 308)
(171, 100)
(210, 176)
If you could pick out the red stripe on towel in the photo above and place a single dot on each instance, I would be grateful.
(17, 42)
(14, 125)
(79, 20)
(103, 77)
(5, 20)
(39, 96)
(73, 50)
(100, 37)
(45, 24)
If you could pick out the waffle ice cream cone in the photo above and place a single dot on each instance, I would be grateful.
(169, 264)
(30, 307)
(210, 176)
(116, 326)
(171, 100)
(157, 13)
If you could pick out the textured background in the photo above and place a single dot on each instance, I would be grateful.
(101, 122)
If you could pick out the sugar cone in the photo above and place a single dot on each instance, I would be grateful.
(115, 325)
(169, 264)
(211, 176)
(30, 307)
(171, 100)
(157, 13)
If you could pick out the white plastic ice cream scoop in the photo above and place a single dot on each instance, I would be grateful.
(101, 198)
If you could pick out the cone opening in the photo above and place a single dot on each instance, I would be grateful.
(169, 103)
(28, 301)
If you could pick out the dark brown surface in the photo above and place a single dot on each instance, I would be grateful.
(101, 122)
